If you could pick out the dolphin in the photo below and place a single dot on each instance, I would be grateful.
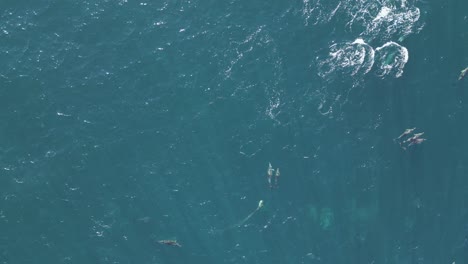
(463, 74)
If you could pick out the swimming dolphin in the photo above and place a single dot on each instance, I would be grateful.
(463, 74)
(406, 132)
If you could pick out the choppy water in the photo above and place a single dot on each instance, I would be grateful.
(127, 122)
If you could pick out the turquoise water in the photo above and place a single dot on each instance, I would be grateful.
(129, 122)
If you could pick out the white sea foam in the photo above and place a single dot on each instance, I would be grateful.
(350, 57)
(251, 72)
(393, 23)
(382, 19)
(320, 11)
(383, 13)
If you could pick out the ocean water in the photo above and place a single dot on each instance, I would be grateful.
(129, 122)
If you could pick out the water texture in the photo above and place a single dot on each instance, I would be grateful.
(129, 122)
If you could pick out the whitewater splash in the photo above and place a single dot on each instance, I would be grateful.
(376, 21)
(358, 58)
(391, 59)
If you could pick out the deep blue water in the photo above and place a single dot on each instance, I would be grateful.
(128, 122)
